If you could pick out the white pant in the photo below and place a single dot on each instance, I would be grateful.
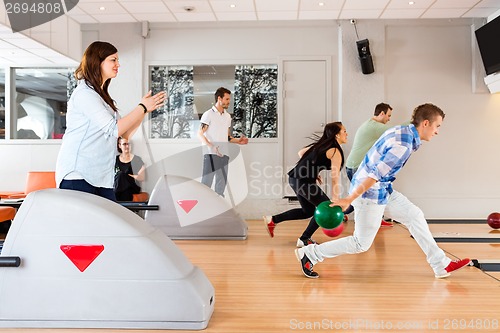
(367, 216)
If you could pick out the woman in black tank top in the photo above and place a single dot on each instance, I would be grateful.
(129, 171)
(324, 154)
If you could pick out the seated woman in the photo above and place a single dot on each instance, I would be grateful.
(129, 171)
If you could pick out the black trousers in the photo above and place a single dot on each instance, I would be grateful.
(309, 195)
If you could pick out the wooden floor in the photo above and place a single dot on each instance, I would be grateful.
(260, 288)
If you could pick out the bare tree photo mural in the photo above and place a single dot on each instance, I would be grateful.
(174, 118)
(255, 101)
(254, 95)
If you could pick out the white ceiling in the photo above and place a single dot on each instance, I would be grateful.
(18, 50)
(114, 11)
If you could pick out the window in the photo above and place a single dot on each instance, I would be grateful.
(40, 100)
(2, 104)
(190, 91)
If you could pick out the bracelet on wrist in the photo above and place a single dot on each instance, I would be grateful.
(144, 107)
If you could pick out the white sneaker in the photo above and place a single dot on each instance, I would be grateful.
(309, 241)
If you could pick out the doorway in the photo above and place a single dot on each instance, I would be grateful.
(306, 104)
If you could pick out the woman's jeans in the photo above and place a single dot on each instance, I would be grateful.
(83, 186)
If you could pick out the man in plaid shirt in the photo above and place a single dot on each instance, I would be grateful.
(372, 196)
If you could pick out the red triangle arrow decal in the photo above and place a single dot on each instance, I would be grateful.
(187, 205)
(82, 255)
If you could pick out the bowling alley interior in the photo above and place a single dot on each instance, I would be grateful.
(180, 257)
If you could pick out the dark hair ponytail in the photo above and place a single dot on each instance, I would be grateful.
(326, 141)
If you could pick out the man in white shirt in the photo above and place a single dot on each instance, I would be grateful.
(215, 133)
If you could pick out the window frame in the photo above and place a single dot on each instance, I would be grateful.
(147, 83)
(10, 93)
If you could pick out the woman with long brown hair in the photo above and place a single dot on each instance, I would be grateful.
(324, 154)
(87, 157)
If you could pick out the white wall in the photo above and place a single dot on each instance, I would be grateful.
(21, 156)
(450, 175)
(415, 62)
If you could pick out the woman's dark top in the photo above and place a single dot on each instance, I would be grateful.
(307, 168)
(125, 186)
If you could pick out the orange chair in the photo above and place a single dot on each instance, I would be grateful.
(6, 215)
(140, 197)
(7, 194)
(36, 180)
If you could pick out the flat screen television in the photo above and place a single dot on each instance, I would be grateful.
(488, 41)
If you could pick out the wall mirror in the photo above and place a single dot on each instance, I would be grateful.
(38, 109)
(190, 91)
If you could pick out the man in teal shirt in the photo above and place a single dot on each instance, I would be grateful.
(365, 137)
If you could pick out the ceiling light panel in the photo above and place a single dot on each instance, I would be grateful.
(363, 4)
(178, 6)
(277, 16)
(328, 5)
(225, 5)
(480, 12)
(236, 16)
(153, 17)
(454, 3)
(404, 4)
(195, 17)
(115, 18)
(139, 7)
(319, 15)
(277, 5)
(112, 8)
(83, 19)
(360, 14)
(402, 13)
(487, 4)
(444, 13)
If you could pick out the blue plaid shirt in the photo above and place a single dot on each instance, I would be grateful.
(386, 157)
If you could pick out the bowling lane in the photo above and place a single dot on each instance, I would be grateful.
(456, 221)
(464, 228)
(473, 250)
(484, 252)
(495, 275)
(464, 233)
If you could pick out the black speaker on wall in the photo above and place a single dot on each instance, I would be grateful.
(365, 56)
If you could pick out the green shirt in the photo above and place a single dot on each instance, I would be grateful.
(364, 139)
